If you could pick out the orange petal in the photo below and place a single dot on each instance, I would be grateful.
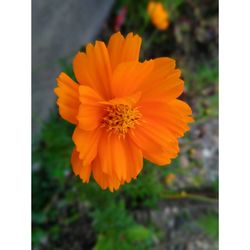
(178, 116)
(119, 157)
(105, 154)
(135, 158)
(68, 98)
(180, 107)
(76, 162)
(156, 142)
(78, 167)
(129, 76)
(161, 157)
(173, 116)
(162, 68)
(131, 100)
(162, 124)
(93, 68)
(123, 49)
(86, 144)
(163, 83)
(91, 111)
(151, 7)
(170, 88)
(102, 179)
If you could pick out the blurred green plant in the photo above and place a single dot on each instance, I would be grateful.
(210, 224)
(201, 82)
(146, 189)
(117, 230)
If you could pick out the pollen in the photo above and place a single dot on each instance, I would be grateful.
(120, 118)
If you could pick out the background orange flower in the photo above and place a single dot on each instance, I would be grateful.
(158, 15)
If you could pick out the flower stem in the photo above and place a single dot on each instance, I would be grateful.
(184, 195)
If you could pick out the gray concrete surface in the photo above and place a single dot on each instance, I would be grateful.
(59, 28)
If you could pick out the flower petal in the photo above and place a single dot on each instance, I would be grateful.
(78, 167)
(170, 88)
(135, 158)
(119, 157)
(161, 157)
(93, 68)
(174, 116)
(76, 162)
(86, 144)
(123, 49)
(68, 98)
(91, 111)
(100, 177)
(156, 142)
(131, 100)
(162, 124)
(163, 82)
(104, 180)
(129, 76)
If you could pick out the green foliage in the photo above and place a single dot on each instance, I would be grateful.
(138, 233)
(172, 8)
(210, 224)
(202, 76)
(37, 236)
(54, 144)
(136, 18)
(215, 186)
(117, 230)
(50, 168)
(112, 218)
(201, 83)
(125, 243)
(146, 189)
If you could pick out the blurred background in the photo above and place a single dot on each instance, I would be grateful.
(173, 207)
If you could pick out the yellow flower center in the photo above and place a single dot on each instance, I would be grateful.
(120, 118)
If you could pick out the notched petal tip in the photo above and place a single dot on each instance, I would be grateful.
(68, 98)
(123, 49)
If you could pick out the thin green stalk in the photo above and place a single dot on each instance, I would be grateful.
(183, 195)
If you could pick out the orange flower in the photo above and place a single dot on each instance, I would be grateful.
(123, 110)
(170, 178)
(158, 15)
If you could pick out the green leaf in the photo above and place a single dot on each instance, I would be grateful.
(138, 233)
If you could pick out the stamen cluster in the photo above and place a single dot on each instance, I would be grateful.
(120, 118)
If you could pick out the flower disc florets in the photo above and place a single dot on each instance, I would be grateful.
(120, 118)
